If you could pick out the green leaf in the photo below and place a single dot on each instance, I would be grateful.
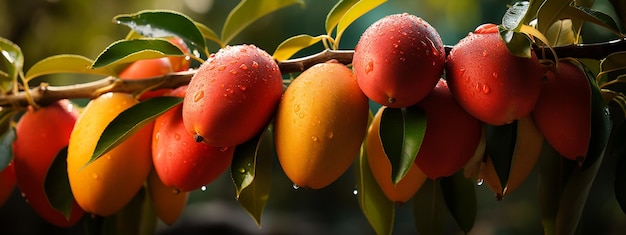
(65, 64)
(11, 63)
(500, 147)
(574, 197)
(518, 43)
(292, 45)
(6, 147)
(561, 33)
(248, 11)
(130, 121)
(137, 217)
(163, 23)
(209, 34)
(251, 172)
(600, 125)
(429, 209)
(377, 208)
(335, 14)
(401, 134)
(554, 170)
(57, 185)
(514, 16)
(460, 197)
(590, 15)
(357, 10)
(550, 12)
(126, 51)
(612, 66)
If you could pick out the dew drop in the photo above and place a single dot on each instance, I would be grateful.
(203, 188)
(314, 138)
(479, 182)
(242, 170)
(486, 89)
(296, 108)
(391, 100)
(355, 192)
(395, 45)
(243, 67)
(494, 75)
(255, 64)
(108, 157)
(211, 67)
(177, 136)
(233, 72)
(198, 96)
(175, 191)
(485, 53)
(331, 135)
(221, 68)
(242, 87)
(295, 186)
(462, 70)
(402, 59)
(301, 115)
(95, 176)
(242, 49)
(369, 67)
(477, 87)
(223, 149)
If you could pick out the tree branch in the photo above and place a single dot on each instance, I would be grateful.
(45, 94)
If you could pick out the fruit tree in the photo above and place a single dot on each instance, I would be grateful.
(406, 120)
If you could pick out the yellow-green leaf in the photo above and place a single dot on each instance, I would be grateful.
(377, 208)
(335, 14)
(248, 11)
(209, 34)
(294, 44)
(65, 64)
(251, 172)
(549, 12)
(11, 63)
(357, 10)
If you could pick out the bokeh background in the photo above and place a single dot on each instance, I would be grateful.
(44, 28)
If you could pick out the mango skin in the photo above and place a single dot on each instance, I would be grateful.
(233, 96)
(168, 203)
(106, 185)
(41, 134)
(179, 161)
(398, 60)
(563, 111)
(489, 82)
(452, 135)
(320, 124)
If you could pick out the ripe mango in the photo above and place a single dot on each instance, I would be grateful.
(398, 60)
(233, 96)
(106, 185)
(41, 134)
(181, 162)
(320, 123)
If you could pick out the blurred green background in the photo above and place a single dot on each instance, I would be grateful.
(44, 28)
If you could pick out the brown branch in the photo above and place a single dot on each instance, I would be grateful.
(45, 94)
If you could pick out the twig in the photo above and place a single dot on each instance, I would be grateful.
(45, 94)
